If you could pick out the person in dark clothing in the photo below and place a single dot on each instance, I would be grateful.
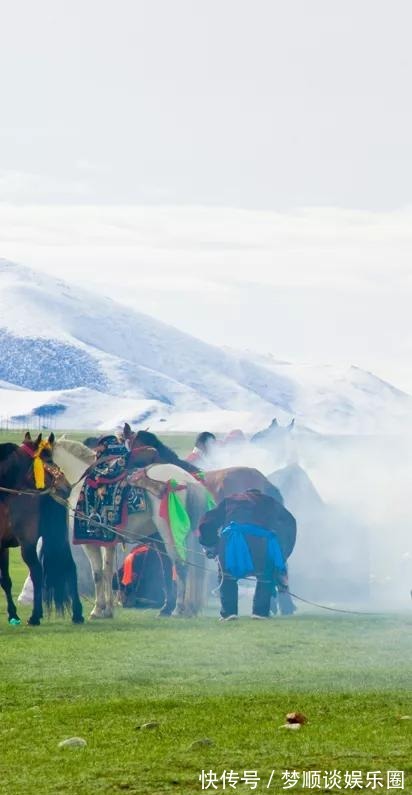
(257, 536)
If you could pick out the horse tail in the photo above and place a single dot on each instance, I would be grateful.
(56, 556)
(195, 591)
(286, 522)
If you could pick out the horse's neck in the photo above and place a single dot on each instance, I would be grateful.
(72, 466)
(165, 472)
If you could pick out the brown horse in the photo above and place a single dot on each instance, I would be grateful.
(223, 482)
(220, 482)
(29, 511)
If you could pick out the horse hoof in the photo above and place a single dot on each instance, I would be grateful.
(96, 614)
(33, 622)
(165, 611)
(108, 613)
(286, 605)
(78, 620)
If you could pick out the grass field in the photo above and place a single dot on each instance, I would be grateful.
(230, 683)
(182, 443)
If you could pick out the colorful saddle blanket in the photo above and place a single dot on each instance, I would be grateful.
(106, 501)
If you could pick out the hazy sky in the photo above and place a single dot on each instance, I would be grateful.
(241, 168)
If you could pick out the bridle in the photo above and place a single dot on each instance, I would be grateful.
(55, 473)
(57, 476)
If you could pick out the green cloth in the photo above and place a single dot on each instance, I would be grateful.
(179, 520)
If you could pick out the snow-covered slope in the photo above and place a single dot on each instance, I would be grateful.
(334, 399)
(92, 362)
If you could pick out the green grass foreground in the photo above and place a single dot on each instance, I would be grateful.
(230, 683)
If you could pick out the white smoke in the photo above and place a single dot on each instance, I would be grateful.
(354, 544)
(369, 479)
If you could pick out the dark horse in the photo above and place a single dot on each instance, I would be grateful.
(161, 453)
(28, 513)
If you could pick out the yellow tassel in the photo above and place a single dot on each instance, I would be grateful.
(38, 470)
(38, 466)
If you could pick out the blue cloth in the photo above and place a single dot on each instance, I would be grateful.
(238, 560)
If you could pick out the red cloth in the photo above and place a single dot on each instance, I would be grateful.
(127, 578)
(234, 436)
(194, 456)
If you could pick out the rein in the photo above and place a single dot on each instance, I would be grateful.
(51, 469)
(169, 488)
(27, 492)
(148, 540)
(84, 475)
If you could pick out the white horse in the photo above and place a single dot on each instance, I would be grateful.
(74, 458)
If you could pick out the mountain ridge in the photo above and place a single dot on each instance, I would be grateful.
(56, 337)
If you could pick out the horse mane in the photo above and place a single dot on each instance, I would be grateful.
(7, 449)
(9, 465)
(167, 455)
(91, 441)
(77, 449)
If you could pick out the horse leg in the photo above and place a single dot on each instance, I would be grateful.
(274, 603)
(181, 574)
(166, 549)
(286, 605)
(168, 582)
(94, 553)
(109, 559)
(5, 582)
(77, 608)
(29, 555)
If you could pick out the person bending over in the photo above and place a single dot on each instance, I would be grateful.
(257, 533)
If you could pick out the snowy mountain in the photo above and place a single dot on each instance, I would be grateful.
(90, 362)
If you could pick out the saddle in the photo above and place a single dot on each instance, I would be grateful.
(109, 496)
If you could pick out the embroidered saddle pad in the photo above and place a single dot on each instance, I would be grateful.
(106, 501)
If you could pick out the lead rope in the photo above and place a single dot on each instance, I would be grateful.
(147, 540)
(27, 492)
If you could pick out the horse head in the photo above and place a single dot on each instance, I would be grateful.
(44, 472)
(135, 439)
(128, 436)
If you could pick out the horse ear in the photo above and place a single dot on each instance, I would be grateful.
(27, 437)
(127, 431)
(51, 438)
(38, 440)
